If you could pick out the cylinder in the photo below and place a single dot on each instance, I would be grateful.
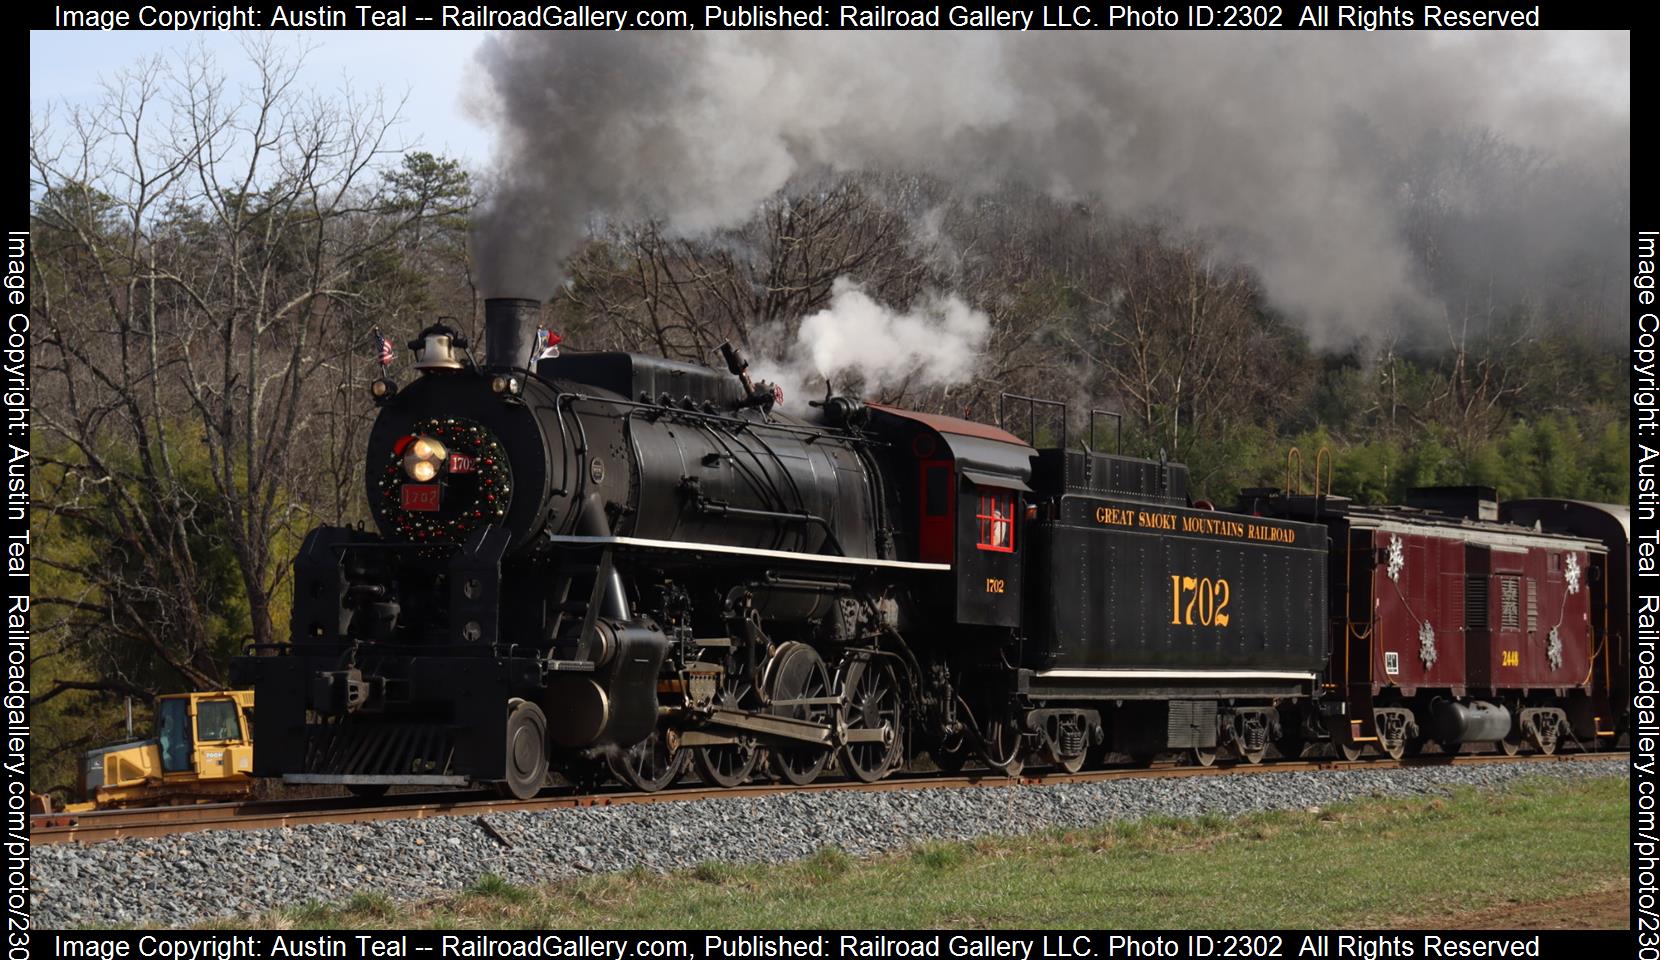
(510, 331)
(1477, 720)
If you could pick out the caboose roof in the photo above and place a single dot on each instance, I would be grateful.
(1492, 533)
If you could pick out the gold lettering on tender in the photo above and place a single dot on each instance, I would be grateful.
(1202, 525)
(1112, 516)
(1157, 521)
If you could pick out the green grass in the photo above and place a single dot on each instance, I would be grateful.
(1357, 864)
(492, 887)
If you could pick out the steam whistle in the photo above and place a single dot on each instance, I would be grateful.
(763, 395)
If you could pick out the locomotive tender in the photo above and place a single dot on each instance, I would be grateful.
(609, 563)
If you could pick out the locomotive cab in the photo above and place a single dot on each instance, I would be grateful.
(963, 503)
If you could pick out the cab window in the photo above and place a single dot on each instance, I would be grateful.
(996, 520)
(175, 736)
(216, 720)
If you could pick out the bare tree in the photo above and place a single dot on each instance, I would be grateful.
(680, 297)
(1177, 334)
(208, 264)
(1471, 393)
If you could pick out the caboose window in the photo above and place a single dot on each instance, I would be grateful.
(996, 520)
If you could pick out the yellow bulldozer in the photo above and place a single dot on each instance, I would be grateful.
(203, 751)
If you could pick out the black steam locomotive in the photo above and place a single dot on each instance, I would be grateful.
(608, 563)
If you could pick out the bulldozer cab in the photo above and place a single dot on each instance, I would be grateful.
(222, 746)
(203, 750)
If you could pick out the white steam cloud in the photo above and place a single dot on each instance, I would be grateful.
(938, 342)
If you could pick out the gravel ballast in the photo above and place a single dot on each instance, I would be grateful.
(190, 878)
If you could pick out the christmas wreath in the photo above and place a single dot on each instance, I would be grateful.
(473, 484)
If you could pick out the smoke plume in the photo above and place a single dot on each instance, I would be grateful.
(936, 343)
(1305, 156)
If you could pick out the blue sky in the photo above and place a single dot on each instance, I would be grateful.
(431, 66)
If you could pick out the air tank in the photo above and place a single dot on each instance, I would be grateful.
(1476, 720)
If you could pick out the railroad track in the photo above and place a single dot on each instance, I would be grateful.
(96, 826)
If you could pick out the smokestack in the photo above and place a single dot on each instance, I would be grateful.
(510, 331)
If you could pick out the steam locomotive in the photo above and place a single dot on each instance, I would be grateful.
(615, 565)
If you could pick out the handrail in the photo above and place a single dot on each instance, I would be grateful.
(1322, 455)
(1032, 403)
(1118, 419)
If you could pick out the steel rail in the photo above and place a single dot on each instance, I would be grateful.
(101, 825)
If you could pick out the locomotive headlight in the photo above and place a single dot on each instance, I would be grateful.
(422, 459)
(506, 385)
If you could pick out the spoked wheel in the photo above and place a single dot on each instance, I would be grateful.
(796, 674)
(1005, 748)
(871, 697)
(527, 751)
(650, 765)
(730, 764)
(1201, 756)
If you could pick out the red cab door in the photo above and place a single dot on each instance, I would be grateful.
(937, 501)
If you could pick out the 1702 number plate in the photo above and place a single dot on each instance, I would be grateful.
(420, 496)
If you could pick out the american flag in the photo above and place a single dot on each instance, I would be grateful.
(547, 343)
(383, 349)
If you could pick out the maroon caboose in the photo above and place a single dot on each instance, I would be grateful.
(1608, 714)
(1450, 626)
